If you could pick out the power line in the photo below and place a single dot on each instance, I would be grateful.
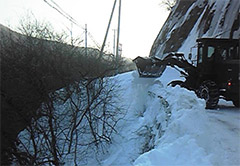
(63, 10)
(63, 13)
(57, 7)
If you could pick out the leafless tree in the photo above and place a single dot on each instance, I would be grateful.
(77, 104)
(73, 122)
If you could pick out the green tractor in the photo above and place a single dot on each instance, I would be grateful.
(214, 73)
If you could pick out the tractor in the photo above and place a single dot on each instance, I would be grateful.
(212, 75)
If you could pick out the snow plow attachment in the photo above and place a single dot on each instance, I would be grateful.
(149, 67)
(154, 67)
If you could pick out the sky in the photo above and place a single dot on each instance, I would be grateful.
(141, 20)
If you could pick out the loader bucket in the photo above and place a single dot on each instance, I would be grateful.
(147, 67)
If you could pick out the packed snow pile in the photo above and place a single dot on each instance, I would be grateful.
(170, 126)
(194, 19)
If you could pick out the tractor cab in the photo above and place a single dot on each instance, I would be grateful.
(214, 51)
(218, 61)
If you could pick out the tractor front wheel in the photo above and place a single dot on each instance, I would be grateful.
(236, 103)
(210, 93)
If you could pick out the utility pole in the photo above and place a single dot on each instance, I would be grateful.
(118, 32)
(109, 23)
(71, 33)
(86, 40)
(114, 42)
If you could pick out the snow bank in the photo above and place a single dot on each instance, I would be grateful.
(170, 126)
(180, 143)
(157, 122)
(145, 120)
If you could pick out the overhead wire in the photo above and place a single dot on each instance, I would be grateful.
(58, 8)
(63, 10)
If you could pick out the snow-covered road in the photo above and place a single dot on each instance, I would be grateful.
(225, 123)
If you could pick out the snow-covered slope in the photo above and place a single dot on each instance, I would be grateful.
(192, 19)
(161, 125)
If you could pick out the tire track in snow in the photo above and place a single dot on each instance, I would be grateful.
(224, 126)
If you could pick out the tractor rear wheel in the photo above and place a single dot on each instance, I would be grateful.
(209, 91)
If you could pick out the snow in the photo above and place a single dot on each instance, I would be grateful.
(189, 134)
(223, 13)
(190, 42)
(168, 126)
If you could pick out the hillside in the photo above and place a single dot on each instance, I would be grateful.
(192, 19)
(159, 125)
(32, 68)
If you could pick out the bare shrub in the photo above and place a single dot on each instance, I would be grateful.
(76, 122)
(57, 95)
